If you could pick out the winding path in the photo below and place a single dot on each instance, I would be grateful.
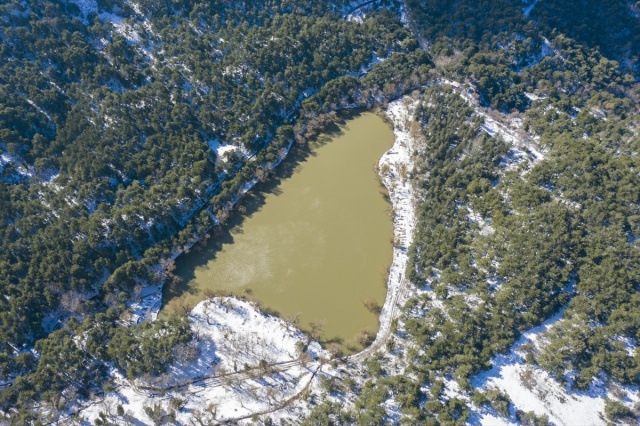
(358, 7)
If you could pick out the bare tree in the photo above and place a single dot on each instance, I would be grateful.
(316, 329)
(71, 301)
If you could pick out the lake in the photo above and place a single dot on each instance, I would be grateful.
(314, 243)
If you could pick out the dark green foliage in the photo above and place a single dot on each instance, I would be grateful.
(325, 414)
(459, 160)
(609, 26)
(406, 392)
(616, 410)
(531, 419)
(461, 21)
(72, 359)
(499, 401)
(368, 406)
(562, 233)
(539, 244)
(147, 348)
(124, 123)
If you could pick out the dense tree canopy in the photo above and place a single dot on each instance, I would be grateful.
(108, 115)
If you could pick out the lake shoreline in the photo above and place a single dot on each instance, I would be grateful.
(396, 114)
(394, 168)
(312, 243)
(301, 369)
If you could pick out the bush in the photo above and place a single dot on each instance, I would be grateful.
(616, 410)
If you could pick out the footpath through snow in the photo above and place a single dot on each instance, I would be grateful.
(242, 363)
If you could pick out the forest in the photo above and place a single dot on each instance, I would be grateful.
(106, 167)
(107, 115)
(555, 236)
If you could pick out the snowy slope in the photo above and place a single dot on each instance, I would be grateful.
(244, 362)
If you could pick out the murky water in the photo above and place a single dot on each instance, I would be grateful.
(314, 242)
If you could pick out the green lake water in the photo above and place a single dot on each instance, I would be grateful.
(315, 241)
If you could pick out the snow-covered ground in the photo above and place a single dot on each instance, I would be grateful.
(530, 4)
(146, 305)
(244, 362)
(528, 387)
(484, 224)
(24, 172)
(247, 363)
(86, 7)
(524, 148)
(532, 389)
(220, 149)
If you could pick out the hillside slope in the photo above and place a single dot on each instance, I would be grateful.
(128, 130)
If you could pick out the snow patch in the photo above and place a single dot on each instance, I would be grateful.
(532, 389)
(246, 362)
(220, 149)
(534, 97)
(23, 170)
(530, 5)
(356, 16)
(147, 305)
(86, 7)
(483, 224)
(523, 147)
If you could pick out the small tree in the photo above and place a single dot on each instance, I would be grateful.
(616, 410)
(316, 329)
